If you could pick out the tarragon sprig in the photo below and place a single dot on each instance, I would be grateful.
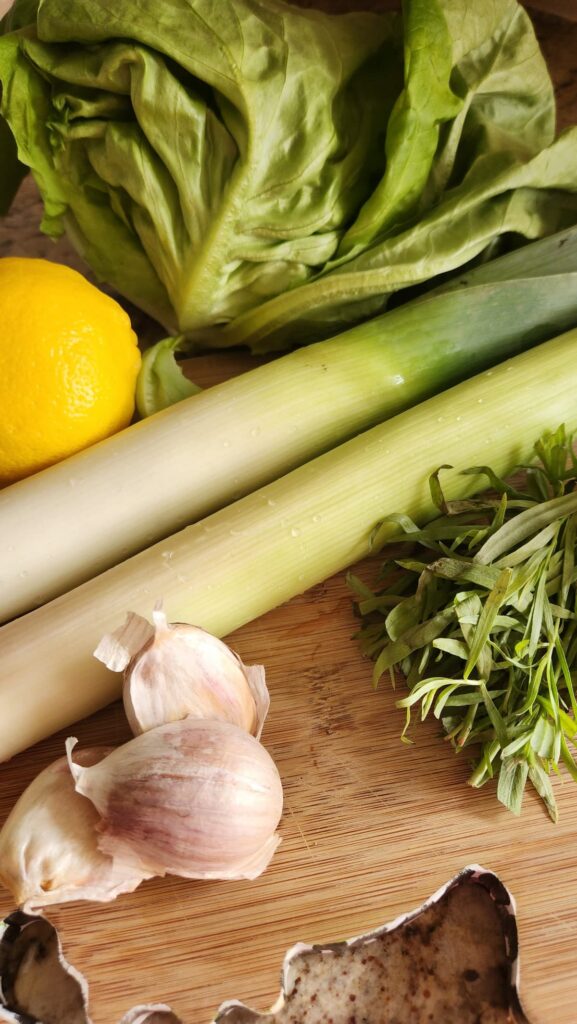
(481, 619)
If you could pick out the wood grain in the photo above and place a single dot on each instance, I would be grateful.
(370, 828)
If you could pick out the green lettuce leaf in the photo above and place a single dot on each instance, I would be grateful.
(21, 14)
(426, 102)
(512, 199)
(161, 381)
(497, 171)
(202, 156)
(253, 173)
(12, 171)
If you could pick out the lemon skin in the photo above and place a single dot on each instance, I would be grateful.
(69, 360)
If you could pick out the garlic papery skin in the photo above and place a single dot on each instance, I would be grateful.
(199, 798)
(49, 844)
(175, 670)
(157, 1014)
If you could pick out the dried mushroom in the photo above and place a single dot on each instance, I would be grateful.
(37, 985)
(452, 961)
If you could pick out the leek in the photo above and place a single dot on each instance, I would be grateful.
(282, 539)
(78, 518)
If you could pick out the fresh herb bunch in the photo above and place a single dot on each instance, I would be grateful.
(485, 632)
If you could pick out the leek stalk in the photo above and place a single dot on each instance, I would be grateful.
(64, 525)
(282, 539)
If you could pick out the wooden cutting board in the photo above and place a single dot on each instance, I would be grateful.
(370, 827)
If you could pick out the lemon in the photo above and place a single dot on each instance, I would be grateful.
(68, 365)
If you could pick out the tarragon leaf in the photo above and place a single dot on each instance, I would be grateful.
(490, 611)
(511, 784)
(538, 776)
(411, 641)
(511, 618)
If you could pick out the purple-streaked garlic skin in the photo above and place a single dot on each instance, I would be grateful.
(185, 671)
(176, 670)
(49, 844)
(198, 798)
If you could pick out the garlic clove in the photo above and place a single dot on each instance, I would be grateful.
(256, 679)
(176, 670)
(117, 649)
(197, 798)
(256, 864)
(49, 844)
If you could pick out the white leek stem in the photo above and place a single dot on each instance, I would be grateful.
(64, 525)
(277, 542)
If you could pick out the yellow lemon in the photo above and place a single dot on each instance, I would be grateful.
(68, 365)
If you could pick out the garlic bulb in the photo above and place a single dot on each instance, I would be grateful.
(49, 844)
(198, 798)
(175, 670)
